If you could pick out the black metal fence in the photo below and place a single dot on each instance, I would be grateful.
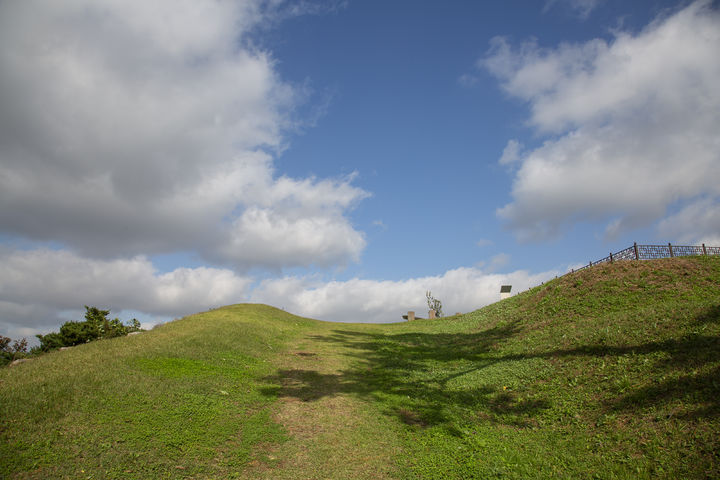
(648, 252)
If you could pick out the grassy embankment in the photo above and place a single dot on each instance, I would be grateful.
(613, 372)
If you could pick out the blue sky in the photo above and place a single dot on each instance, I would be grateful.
(338, 159)
(425, 145)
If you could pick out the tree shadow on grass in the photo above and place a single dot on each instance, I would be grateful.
(712, 315)
(688, 373)
(698, 393)
(412, 375)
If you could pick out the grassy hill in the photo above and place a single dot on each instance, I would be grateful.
(612, 372)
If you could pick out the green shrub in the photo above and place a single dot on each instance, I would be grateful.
(96, 325)
(75, 333)
(51, 341)
(113, 328)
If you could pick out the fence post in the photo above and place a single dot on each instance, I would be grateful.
(611, 259)
(590, 264)
(670, 247)
(704, 251)
(637, 254)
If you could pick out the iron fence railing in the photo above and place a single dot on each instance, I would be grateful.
(648, 252)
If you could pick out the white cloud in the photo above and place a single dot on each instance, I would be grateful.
(144, 127)
(498, 261)
(291, 238)
(484, 242)
(695, 224)
(35, 285)
(582, 8)
(468, 80)
(65, 280)
(632, 125)
(511, 153)
(40, 289)
(375, 301)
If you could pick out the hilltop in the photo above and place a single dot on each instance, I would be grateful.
(610, 372)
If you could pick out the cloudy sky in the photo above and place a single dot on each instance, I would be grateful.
(339, 158)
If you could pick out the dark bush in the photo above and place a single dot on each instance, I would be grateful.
(9, 353)
(50, 341)
(113, 328)
(96, 325)
(75, 333)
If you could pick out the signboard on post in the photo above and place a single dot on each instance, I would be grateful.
(505, 291)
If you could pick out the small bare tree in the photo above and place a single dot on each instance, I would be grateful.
(434, 303)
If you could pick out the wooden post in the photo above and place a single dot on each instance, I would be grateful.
(670, 247)
(637, 254)
(704, 251)
(411, 316)
(611, 259)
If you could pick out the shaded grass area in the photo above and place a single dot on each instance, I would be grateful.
(180, 401)
(331, 434)
(613, 372)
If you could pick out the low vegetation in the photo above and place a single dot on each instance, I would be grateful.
(611, 372)
(10, 352)
(96, 326)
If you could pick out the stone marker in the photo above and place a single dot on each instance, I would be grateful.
(431, 314)
(411, 316)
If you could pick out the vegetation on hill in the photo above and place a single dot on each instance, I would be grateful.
(95, 326)
(11, 352)
(611, 372)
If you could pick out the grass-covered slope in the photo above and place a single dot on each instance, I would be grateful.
(183, 400)
(612, 372)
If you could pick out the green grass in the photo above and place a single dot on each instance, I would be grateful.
(580, 378)
(182, 400)
(611, 372)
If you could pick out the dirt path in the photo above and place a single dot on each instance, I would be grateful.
(332, 434)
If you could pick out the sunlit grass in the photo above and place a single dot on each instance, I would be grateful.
(178, 401)
(609, 373)
(612, 372)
